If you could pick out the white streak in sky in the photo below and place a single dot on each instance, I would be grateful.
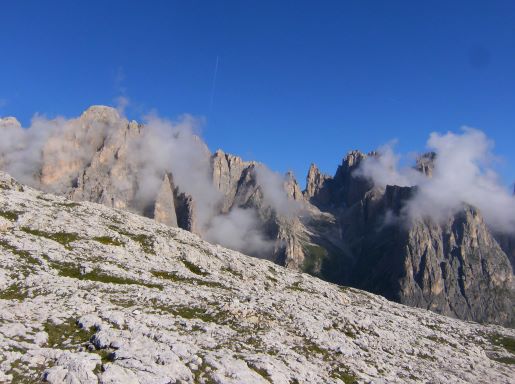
(213, 87)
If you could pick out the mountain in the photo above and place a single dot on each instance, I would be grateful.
(456, 268)
(341, 228)
(91, 294)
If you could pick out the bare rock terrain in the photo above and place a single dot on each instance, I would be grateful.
(92, 294)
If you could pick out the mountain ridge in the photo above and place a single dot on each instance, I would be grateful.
(333, 229)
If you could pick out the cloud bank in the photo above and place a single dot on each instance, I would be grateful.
(462, 173)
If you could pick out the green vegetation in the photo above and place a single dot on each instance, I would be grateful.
(260, 371)
(194, 268)
(201, 375)
(441, 340)
(188, 280)
(506, 342)
(314, 256)
(63, 238)
(96, 275)
(68, 205)
(296, 287)
(146, 242)
(13, 292)
(426, 356)
(232, 272)
(344, 374)
(10, 215)
(349, 332)
(67, 334)
(309, 348)
(19, 252)
(108, 240)
(40, 197)
(510, 360)
(22, 375)
(189, 313)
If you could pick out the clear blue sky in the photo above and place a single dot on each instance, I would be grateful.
(297, 81)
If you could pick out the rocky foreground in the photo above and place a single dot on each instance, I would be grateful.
(90, 294)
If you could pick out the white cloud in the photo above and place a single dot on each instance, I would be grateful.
(462, 174)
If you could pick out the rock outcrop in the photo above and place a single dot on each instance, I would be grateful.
(164, 209)
(90, 294)
(426, 163)
(317, 191)
(456, 268)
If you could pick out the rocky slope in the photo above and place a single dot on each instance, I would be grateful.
(92, 294)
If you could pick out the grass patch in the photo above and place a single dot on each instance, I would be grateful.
(349, 332)
(194, 268)
(510, 360)
(296, 287)
(96, 275)
(188, 280)
(440, 340)
(232, 272)
(344, 374)
(314, 256)
(68, 205)
(67, 334)
(63, 238)
(19, 252)
(106, 240)
(260, 371)
(10, 215)
(201, 375)
(425, 356)
(22, 375)
(506, 342)
(309, 348)
(146, 242)
(13, 292)
(190, 313)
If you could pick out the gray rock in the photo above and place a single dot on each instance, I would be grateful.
(161, 305)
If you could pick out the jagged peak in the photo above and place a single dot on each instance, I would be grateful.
(9, 122)
(353, 158)
(425, 163)
(101, 112)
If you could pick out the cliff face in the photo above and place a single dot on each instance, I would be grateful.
(343, 229)
(457, 268)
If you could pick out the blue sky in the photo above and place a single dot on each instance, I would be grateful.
(297, 81)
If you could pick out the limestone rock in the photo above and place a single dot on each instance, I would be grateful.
(426, 163)
(186, 212)
(160, 305)
(164, 210)
(227, 176)
(317, 187)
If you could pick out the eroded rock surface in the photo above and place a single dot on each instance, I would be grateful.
(90, 294)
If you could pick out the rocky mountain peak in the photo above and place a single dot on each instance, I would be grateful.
(9, 122)
(292, 188)
(317, 191)
(101, 113)
(426, 163)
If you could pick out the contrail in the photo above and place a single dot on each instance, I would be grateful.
(213, 85)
